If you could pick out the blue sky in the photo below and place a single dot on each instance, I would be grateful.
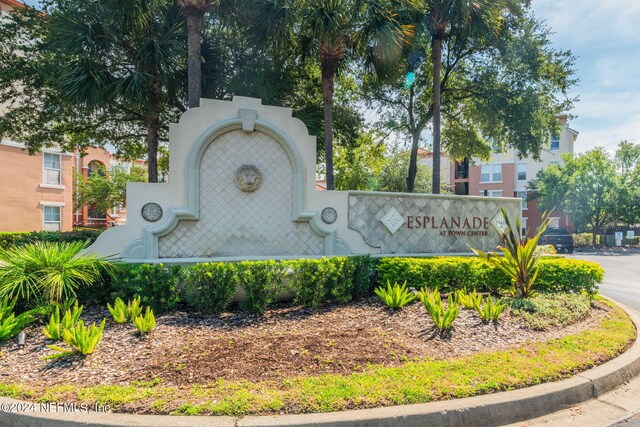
(604, 35)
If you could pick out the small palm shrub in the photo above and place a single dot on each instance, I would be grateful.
(146, 323)
(48, 270)
(134, 309)
(118, 311)
(491, 309)
(210, 287)
(57, 324)
(442, 318)
(10, 324)
(468, 300)
(520, 258)
(80, 338)
(395, 296)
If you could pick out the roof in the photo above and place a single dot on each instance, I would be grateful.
(14, 3)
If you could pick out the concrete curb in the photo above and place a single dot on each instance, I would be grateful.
(486, 410)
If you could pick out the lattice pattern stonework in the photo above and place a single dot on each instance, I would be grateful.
(235, 223)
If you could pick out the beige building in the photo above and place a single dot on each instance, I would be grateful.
(505, 175)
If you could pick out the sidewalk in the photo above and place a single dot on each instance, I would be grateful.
(618, 407)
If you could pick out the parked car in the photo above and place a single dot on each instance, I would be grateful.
(559, 238)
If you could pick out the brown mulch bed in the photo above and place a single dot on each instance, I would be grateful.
(186, 348)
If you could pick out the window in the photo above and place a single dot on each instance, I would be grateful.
(93, 213)
(523, 224)
(554, 163)
(555, 222)
(51, 218)
(491, 173)
(491, 193)
(522, 171)
(51, 169)
(555, 143)
(523, 196)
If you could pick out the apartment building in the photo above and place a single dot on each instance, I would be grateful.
(508, 176)
(37, 190)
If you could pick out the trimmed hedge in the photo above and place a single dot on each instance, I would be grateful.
(18, 239)
(451, 273)
(209, 287)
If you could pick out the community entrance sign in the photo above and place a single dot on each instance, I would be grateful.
(242, 186)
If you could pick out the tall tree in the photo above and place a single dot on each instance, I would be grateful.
(332, 30)
(586, 187)
(94, 72)
(194, 11)
(503, 88)
(449, 18)
(627, 157)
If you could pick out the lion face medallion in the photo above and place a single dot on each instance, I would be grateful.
(248, 178)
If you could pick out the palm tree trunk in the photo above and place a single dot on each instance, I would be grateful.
(436, 57)
(153, 125)
(194, 33)
(329, 67)
(415, 135)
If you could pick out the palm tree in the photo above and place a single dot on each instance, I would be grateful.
(122, 56)
(194, 11)
(444, 19)
(334, 30)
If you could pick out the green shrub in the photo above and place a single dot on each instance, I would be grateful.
(442, 318)
(155, 284)
(262, 281)
(134, 308)
(562, 275)
(81, 339)
(468, 300)
(210, 287)
(308, 281)
(56, 326)
(48, 271)
(362, 277)
(519, 259)
(545, 311)
(338, 277)
(118, 311)
(395, 296)
(447, 273)
(146, 323)
(555, 274)
(490, 310)
(10, 324)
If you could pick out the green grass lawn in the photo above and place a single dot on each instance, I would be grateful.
(415, 382)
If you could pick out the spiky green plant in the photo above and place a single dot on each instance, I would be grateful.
(118, 311)
(10, 324)
(48, 270)
(519, 258)
(467, 299)
(83, 339)
(134, 309)
(146, 323)
(395, 296)
(57, 325)
(491, 309)
(442, 318)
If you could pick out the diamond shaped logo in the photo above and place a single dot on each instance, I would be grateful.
(499, 223)
(393, 220)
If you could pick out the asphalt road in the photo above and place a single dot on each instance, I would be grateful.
(622, 275)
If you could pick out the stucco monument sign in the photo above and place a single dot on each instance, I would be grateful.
(242, 186)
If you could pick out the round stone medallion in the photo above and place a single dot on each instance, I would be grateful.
(152, 212)
(329, 215)
(248, 178)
